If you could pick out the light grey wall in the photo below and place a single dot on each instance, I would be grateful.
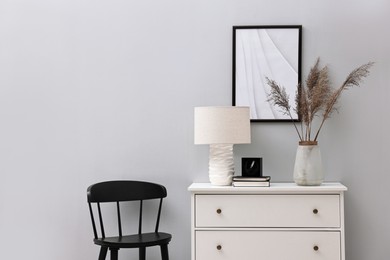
(99, 90)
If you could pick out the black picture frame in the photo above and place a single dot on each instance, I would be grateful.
(261, 51)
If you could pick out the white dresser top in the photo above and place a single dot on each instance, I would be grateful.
(276, 187)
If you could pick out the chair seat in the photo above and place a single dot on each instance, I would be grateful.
(133, 241)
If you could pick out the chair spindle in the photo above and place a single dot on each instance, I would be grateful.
(101, 221)
(140, 217)
(119, 219)
(93, 220)
(158, 215)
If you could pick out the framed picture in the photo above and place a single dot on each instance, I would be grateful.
(260, 52)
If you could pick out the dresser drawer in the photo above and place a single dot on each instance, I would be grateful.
(269, 245)
(267, 210)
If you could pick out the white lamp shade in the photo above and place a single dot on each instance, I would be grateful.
(222, 125)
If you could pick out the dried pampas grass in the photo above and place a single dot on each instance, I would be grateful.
(314, 97)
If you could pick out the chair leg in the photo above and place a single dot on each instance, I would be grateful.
(142, 253)
(164, 252)
(103, 253)
(114, 253)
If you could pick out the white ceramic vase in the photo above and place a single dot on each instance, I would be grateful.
(308, 164)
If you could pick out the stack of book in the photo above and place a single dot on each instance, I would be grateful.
(240, 181)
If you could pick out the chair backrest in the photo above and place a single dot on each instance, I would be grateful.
(120, 191)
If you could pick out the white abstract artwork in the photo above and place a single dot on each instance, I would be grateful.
(260, 52)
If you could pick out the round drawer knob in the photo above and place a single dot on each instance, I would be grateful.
(219, 247)
(315, 211)
(219, 211)
(316, 248)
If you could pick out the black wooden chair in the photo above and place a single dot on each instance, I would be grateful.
(120, 191)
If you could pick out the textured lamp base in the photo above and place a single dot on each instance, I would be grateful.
(221, 164)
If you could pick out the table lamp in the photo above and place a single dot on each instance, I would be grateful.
(221, 128)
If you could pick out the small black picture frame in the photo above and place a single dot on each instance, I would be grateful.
(261, 51)
(252, 167)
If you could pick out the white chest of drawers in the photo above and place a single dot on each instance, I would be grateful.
(281, 222)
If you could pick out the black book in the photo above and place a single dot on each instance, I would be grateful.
(251, 179)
